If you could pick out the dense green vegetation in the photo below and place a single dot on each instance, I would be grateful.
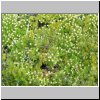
(49, 49)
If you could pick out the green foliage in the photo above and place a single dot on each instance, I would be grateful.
(66, 43)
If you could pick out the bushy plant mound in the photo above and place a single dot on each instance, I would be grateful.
(49, 50)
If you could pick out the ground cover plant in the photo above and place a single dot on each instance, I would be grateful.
(49, 49)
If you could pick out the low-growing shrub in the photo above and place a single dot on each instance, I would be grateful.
(49, 49)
